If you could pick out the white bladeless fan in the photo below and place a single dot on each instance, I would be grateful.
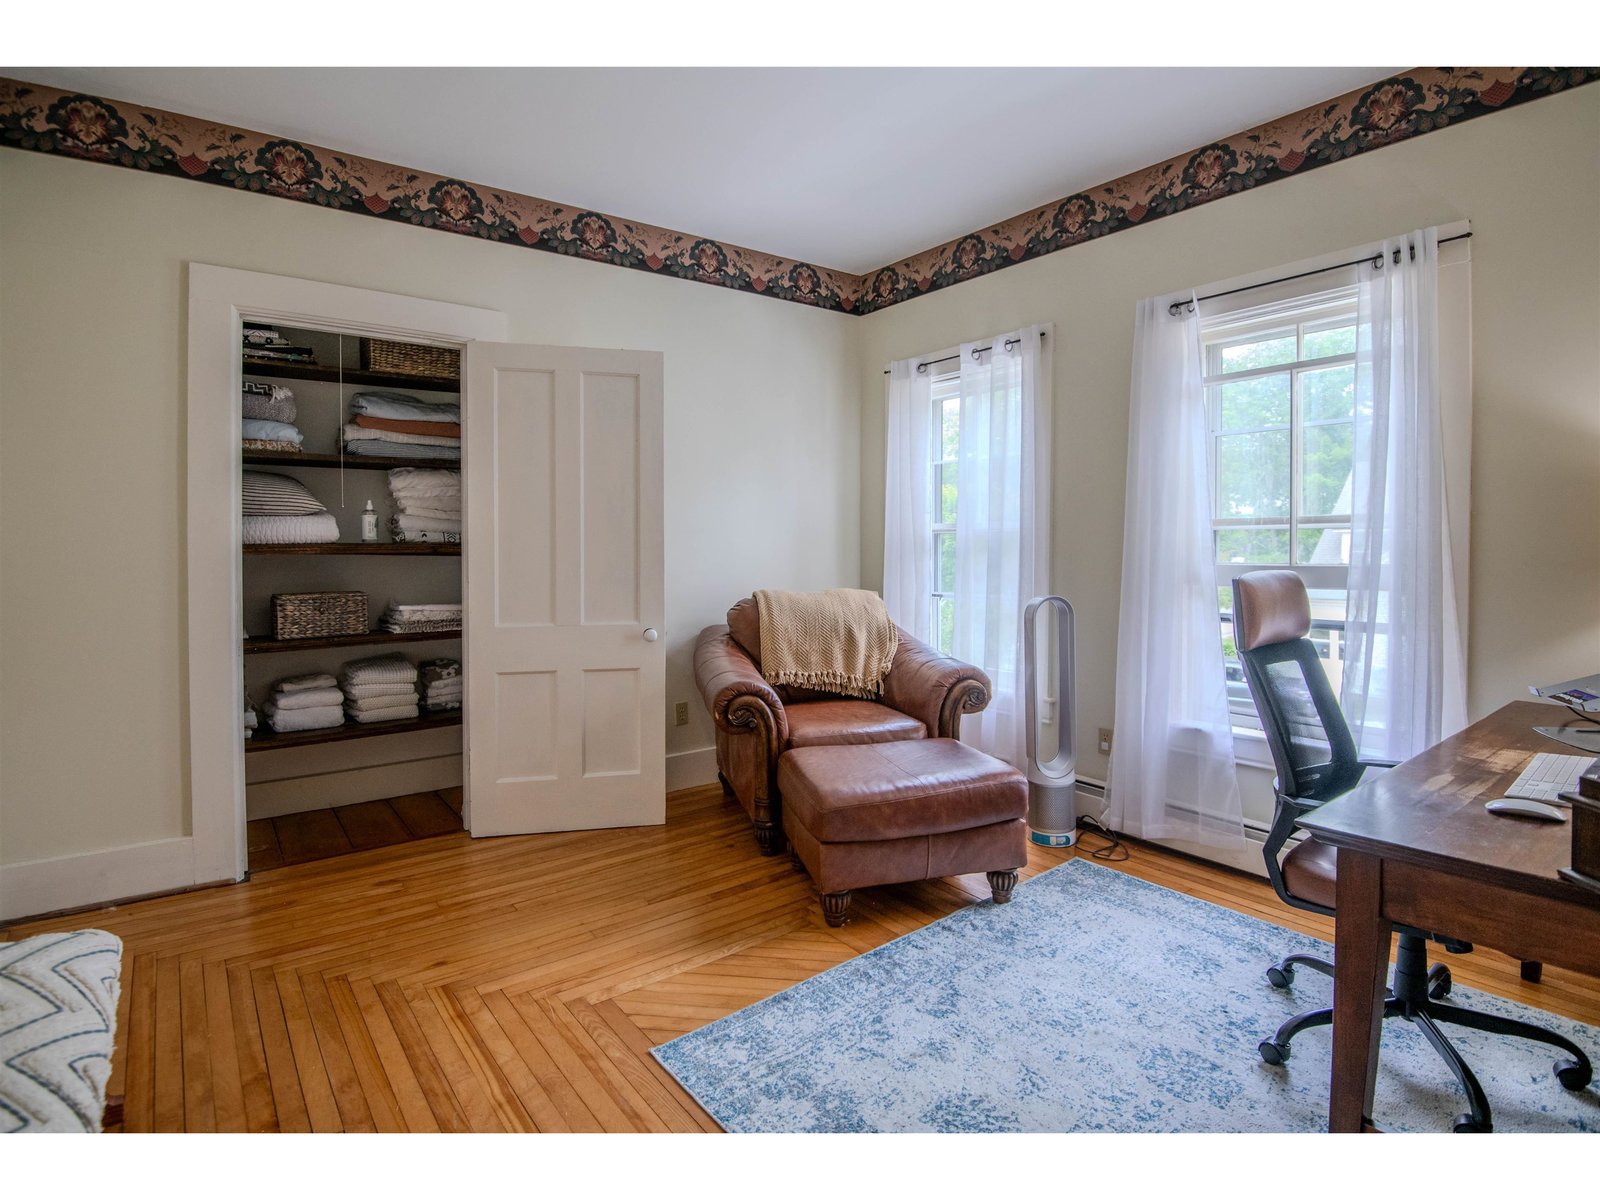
(1048, 637)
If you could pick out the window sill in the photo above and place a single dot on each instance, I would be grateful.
(1250, 748)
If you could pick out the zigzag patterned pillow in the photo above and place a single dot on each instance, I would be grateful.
(58, 1015)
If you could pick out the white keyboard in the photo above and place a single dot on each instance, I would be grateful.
(1548, 775)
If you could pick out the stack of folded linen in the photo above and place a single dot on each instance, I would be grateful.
(428, 504)
(441, 684)
(393, 425)
(280, 511)
(250, 718)
(421, 618)
(380, 689)
(267, 420)
(305, 702)
(264, 341)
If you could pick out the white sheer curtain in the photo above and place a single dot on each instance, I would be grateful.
(1002, 523)
(1404, 678)
(908, 493)
(1172, 764)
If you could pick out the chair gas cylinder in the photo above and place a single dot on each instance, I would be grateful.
(1048, 637)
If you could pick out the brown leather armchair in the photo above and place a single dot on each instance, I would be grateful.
(924, 695)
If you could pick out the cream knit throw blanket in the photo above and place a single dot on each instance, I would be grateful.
(835, 641)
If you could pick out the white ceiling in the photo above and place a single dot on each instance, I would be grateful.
(849, 168)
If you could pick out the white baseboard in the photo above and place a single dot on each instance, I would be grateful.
(691, 768)
(47, 885)
(333, 789)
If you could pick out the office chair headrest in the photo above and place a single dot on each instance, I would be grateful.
(1269, 607)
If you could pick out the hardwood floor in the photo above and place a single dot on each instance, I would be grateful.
(327, 832)
(519, 983)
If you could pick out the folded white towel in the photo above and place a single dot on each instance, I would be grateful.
(416, 482)
(386, 668)
(289, 531)
(297, 719)
(305, 683)
(409, 713)
(448, 512)
(365, 691)
(317, 698)
(428, 524)
(371, 704)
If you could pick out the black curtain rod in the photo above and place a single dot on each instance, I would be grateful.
(1376, 260)
(976, 350)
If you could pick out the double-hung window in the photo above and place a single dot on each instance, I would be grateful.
(1280, 396)
(946, 400)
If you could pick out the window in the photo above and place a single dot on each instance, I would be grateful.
(1280, 396)
(946, 400)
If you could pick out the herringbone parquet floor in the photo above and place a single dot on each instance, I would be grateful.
(518, 983)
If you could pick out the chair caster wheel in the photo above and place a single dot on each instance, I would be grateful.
(1465, 1124)
(1439, 983)
(1280, 977)
(1574, 1076)
(1274, 1054)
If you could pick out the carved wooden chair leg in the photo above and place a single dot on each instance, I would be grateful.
(727, 788)
(836, 908)
(769, 838)
(794, 858)
(1001, 884)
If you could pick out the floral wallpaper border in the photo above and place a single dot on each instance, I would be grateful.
(52, 121)
(1392, 110)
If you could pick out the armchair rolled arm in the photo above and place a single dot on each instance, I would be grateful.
(934, 688)
(739, 700)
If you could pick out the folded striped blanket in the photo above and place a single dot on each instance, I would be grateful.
(385, 668)
(378, 704)
(299, 530)
(409, 713)
(359, 433)
(381, 449)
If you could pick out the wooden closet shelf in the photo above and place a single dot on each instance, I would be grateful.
(409, 548)
(323, 373)
(350, 462)
(378, 637)
(265, 739)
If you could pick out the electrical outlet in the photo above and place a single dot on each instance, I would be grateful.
(680, 713)
(1105, 741)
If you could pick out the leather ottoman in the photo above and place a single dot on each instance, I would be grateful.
(894, 812)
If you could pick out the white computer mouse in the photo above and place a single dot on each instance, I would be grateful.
(1525, 808)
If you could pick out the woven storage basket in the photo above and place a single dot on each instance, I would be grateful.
(318, 614)
(402, 358)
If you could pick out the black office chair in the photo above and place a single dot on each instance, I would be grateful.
(1315, 758)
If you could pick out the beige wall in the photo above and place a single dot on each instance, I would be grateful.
(762, 476)
(1529, 181)
(774, 430)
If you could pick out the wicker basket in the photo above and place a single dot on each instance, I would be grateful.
(318, 614)
(402, 358)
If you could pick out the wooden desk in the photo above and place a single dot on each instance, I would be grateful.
(1417, 848)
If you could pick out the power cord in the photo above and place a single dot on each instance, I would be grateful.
(1578, 712)
(1113, 850)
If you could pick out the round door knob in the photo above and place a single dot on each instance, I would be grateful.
(650, 635)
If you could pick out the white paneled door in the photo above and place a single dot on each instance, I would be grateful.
(564, 658)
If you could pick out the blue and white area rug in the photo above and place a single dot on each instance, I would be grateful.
(1093, 1001)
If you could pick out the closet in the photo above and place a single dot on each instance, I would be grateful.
(298, 781)
(558, 571)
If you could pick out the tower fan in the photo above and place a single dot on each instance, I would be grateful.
(1048, 640)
